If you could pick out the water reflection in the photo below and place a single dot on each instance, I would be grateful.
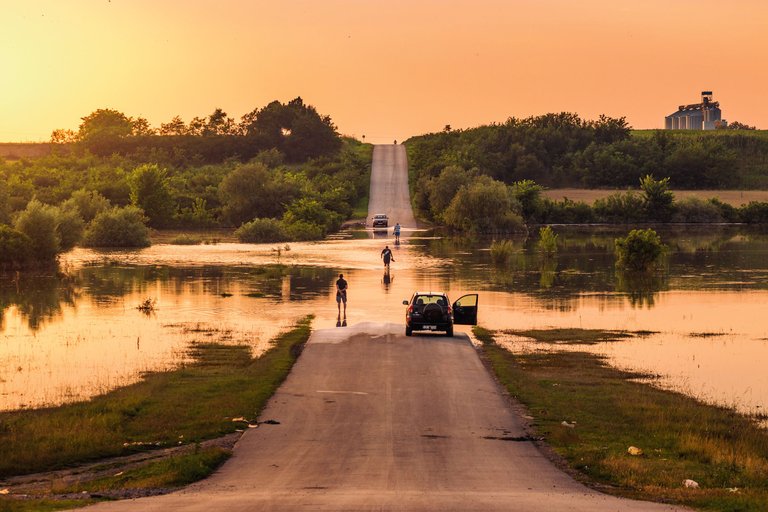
(37, 298)
(79, 332)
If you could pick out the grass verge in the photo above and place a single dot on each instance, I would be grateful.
(590, 414)
(195, 402)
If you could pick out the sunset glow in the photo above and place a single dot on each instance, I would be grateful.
(386, 70)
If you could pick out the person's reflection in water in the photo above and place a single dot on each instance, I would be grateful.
(387, 279)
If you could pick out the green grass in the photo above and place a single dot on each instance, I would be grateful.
(169, 472)
(186, 239)
(680, 437)
(8, 504)
(193, 403)
(573, 336)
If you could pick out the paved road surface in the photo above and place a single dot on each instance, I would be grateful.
(372, 420)
(389, 186)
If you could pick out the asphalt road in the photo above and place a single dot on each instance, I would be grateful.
(372, 420)
(389, 186)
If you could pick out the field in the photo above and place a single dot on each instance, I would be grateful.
(732, 197)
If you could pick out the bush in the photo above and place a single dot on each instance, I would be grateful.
(621, 207)
(69, 227)
(754, 213)
(547, 241)
(302, 230)
(38, 222)
(261, 231)
(484, 206)
(118, 227)
(88, 203)
(501, 252)
(640, 250)
(150, 191)
(695, 210)
(15, 249)
(186, 240)
(310, 211)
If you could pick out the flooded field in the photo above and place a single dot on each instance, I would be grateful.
(78, 333)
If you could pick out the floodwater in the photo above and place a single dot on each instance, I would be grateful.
(79, 333)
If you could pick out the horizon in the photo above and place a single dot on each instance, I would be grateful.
(383, 70)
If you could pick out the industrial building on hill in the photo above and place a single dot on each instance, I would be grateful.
(698, 116)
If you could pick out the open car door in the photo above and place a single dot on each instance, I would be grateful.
(465, 310)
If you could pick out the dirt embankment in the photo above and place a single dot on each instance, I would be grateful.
(16, 150)
(732, 197)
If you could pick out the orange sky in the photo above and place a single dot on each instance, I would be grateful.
(383, 69)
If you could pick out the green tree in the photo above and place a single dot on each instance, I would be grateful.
(657, 198)
(175, 126)
(69, 227)
(5, 202)
(88, 203)
(38, 222)
(150, 192)
(443, 188)
(118, 227)
(484, 206)
(528, 194)
(639, 251)
(253, 191)
(15, 249)
(103, 129)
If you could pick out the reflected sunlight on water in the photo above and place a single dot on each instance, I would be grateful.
(78, 334)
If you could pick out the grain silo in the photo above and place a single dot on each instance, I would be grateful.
(697, 116)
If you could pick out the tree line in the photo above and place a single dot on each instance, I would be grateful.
(563, 150)
(108, 187)
(295, 129)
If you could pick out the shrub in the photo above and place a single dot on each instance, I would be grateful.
(754, 213)
(547, 241)
(38, 222)
(261, 231)
(118, 227)
(69, 227)
(186, 240)
(303, 230)
(484, 206)
(501, 252)
(310, 211)
(15, 249)
(640, 250)
(626, 207)
(88, 203)
(150, 192)
(695, 210)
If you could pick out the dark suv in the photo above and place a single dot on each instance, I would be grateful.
(433, 311)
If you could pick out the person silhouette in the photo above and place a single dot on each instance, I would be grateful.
(341, 293)
(386, 254)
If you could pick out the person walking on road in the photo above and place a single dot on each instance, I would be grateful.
(341, 294)
(397, 233)
(386, 254)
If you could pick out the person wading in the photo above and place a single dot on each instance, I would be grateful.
(341, 294)
(386, 254)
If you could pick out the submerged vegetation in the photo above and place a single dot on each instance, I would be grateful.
(631, 438)
(222, 381)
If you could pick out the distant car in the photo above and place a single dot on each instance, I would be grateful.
(380, 220)
(433, 311)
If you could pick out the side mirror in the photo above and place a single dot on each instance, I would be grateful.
(405, 303)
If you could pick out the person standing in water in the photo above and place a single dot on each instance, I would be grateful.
(397, 233)
(386, 254)
(341, 294)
